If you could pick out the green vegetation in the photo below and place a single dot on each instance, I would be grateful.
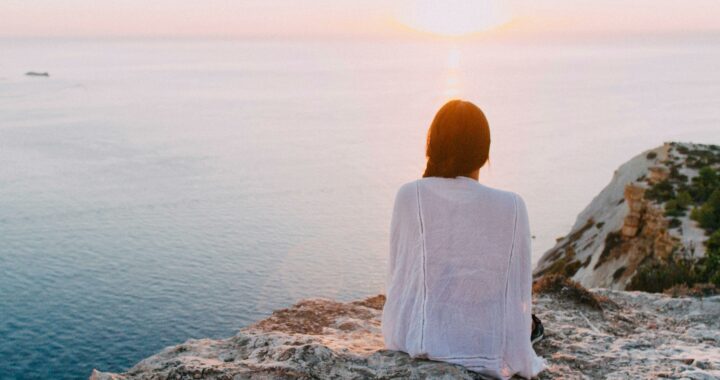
(681, 273)
(566, 266)
(675, 223)
(619, 272)
(655, 275)
(563, 258)
(711, 268)
(571, 268)
(675, 174)
(678, 206)
(612, 240)
(661, 192)
(702, 186)
(701, 198)
(698, 158)
(708, 214)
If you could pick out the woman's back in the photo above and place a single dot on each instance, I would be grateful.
(458, 286)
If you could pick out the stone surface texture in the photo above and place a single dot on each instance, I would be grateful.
(631, 335)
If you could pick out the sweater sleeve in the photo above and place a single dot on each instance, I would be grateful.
(394, 225)
(404, 226)
(519, 354)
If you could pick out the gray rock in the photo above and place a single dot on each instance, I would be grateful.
(632, 336)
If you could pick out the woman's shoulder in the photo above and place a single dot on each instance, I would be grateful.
(407, 190)
(499, 196)
(517, 200)
(510, 196)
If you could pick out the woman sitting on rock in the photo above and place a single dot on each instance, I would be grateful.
(459, 279)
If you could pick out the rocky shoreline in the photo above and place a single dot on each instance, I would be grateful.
(597, 334)
(651, 213)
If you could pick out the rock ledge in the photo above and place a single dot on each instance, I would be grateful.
(629, 335)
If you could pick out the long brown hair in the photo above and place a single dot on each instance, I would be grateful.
(458, 141)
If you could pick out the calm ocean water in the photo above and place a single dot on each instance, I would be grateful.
(153, 191)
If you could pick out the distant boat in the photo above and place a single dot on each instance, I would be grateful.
(36, 74)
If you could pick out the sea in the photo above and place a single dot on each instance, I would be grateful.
(157, 190)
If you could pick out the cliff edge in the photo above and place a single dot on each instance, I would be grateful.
(651, 228)
(589, 334)
(655, 227)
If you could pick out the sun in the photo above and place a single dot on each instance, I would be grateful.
(454, 17)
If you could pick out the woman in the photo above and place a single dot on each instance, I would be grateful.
(459, 279)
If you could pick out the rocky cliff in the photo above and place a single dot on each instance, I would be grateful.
(636, 219)
(648, 213)
(598, 334)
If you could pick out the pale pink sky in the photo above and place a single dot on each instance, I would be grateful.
(335, 17)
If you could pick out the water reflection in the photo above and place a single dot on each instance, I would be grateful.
(452, 77)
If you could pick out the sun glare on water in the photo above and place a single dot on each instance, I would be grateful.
(454, 17)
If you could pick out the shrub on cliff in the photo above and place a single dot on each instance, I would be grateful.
(697, 158)
(656, 275)
(708, 215)
(677, 194)
(612, 241)
(704, 184)
(680, 272)
(570, 290)
(711, 264)
(661, 192)
(672, 209)
(567, 265)
(677, 207)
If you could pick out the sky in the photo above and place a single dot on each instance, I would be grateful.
(238, 18)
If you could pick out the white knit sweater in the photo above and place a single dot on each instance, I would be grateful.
(459, 278)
